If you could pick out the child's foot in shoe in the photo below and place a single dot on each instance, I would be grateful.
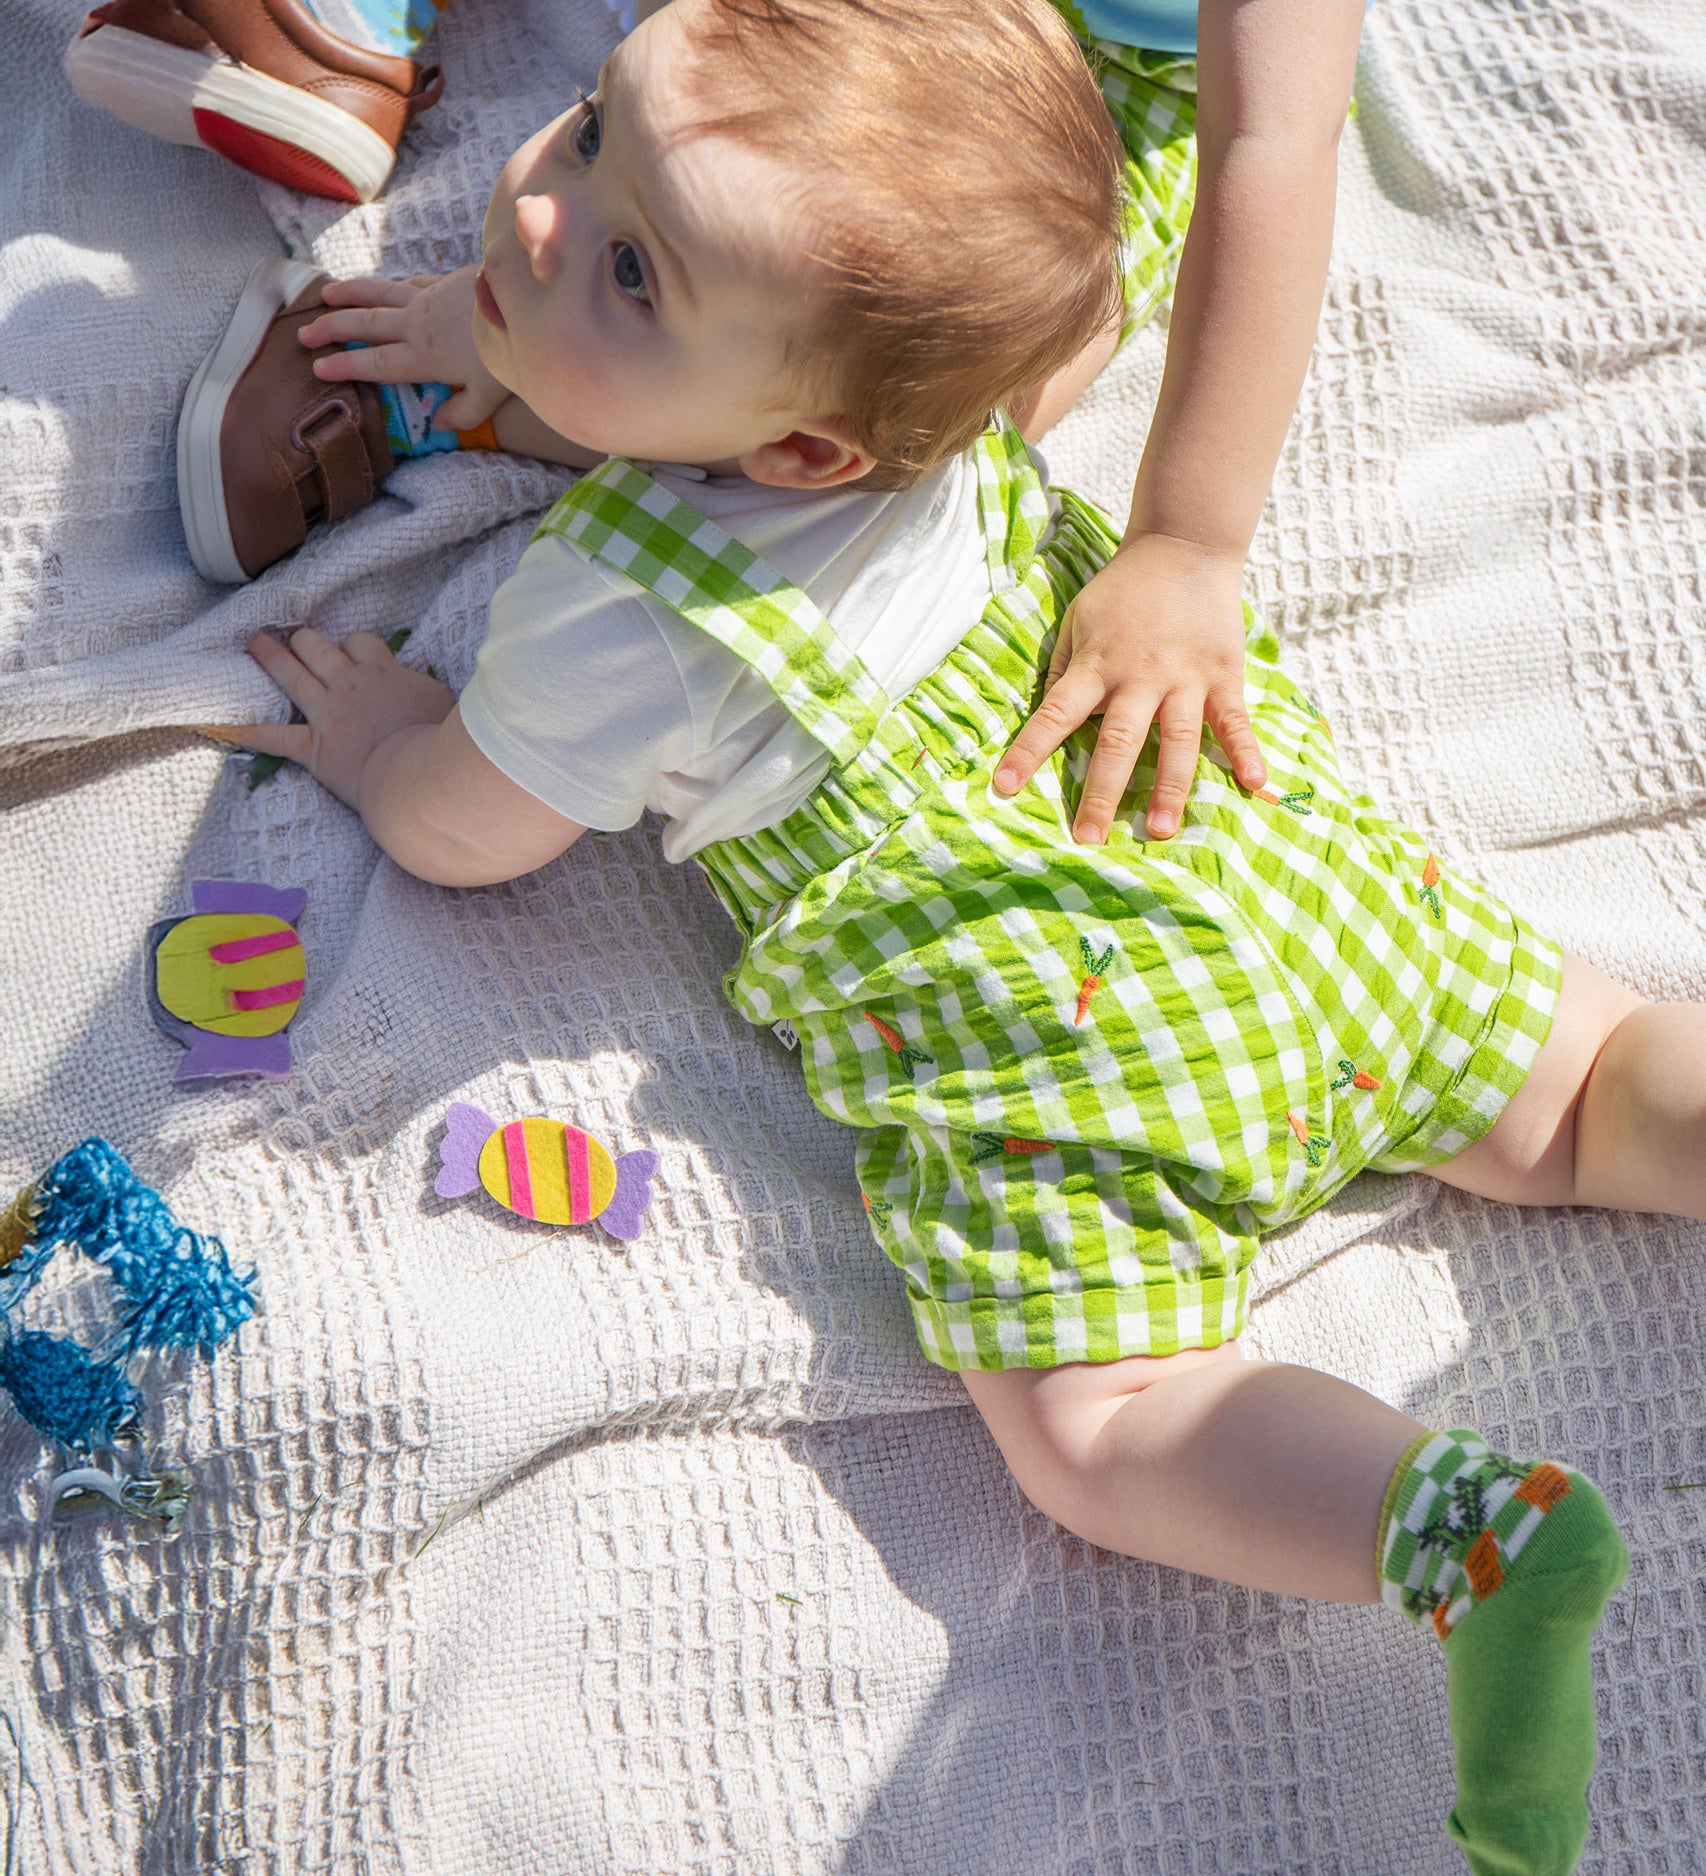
(266, 450)
(261, 82)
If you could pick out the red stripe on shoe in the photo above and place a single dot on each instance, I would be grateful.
(273, 158)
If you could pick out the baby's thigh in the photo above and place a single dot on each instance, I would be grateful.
(1527, 1157)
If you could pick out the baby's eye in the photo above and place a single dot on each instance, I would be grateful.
(630, 275)
(587, 135)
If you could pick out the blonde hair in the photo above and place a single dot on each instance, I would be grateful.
(963, 176)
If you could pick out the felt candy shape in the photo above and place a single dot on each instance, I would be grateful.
(225, 980)
(544, 1169)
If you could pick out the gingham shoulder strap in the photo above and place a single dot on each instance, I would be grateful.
(620, 515)
(1012, 504)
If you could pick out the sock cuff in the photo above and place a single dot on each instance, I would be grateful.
(1400, 1472)
(1456, 1517)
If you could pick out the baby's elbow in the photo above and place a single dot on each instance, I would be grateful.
(474, 857)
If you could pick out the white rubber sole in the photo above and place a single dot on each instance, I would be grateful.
(271, 286)
(159, 88)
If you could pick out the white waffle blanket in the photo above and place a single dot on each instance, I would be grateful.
(486, 1570)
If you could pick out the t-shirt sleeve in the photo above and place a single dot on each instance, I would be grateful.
(577, 696)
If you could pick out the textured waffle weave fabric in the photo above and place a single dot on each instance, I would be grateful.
(486, 1564)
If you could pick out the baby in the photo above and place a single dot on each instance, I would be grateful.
(800, 602)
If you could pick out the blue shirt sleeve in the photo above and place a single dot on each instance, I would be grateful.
(1155, 25)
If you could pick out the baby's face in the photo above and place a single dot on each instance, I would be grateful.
(637, 283)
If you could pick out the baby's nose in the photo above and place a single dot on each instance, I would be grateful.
(539, 228)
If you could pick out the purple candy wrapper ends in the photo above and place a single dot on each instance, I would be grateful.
(634, 1173)
(466, 1130)
(210, 1054)
(237, 895)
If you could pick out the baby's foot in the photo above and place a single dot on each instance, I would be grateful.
(1520, 1684)
(259, 81)
(1514, 1562)
(265, 449)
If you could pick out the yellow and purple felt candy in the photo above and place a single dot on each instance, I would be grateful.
(225, 980)
(544, 1169)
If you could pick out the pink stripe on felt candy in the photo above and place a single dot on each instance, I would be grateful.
(580, 1175)
(520, 1179)
(238, 950)
(265, 999)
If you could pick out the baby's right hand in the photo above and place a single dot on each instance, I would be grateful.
(418, 331)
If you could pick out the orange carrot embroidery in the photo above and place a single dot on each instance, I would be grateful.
(1312, 1143)
(880, 1209)
(1350, 1076)
(1097, 969)
(1428, 890)
(993, 1145)
(1316, 712)
(910, 1056)
(1297, 799)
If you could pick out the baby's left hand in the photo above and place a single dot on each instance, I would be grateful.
(1156, 636)
(355, 696)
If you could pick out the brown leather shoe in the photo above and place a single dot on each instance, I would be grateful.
(265, 449)
(260, 81)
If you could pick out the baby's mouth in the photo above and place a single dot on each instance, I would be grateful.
(489, 308)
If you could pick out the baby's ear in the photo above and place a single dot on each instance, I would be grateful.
(819, 455)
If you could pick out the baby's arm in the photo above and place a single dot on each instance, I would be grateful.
(1158, 633)
(390, 743)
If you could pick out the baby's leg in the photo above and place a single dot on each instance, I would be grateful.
(1293, 1481)
(1613, 1112)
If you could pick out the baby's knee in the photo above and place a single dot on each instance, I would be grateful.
(1050, 1423)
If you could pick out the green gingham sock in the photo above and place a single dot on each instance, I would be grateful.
(1513, 1564)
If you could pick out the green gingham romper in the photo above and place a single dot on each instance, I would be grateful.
(1086, 1078)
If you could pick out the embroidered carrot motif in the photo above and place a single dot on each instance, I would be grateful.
(1312, 1143)
(1097, 969)
(917, 758)
(880, 1209)
(910, 1056)
(1350, 1076)
(1428, 890)
(1297, 799)
(1316, 712)
(993, 1145)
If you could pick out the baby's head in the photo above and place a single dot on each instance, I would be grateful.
(809, 240)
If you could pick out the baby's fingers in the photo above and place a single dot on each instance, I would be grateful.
(368, 290)
(373, 328)
(1119, 743)
(1076, 695)
(469, 408)
(1179, 743)
(1230, 722)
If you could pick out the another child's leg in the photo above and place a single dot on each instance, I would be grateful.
(1612, 1113)
(1293, 1481)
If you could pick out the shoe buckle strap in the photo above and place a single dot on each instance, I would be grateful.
(329, 434)
(428, 89)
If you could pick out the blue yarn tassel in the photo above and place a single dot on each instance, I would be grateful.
(63, 1394)
(179, 1288)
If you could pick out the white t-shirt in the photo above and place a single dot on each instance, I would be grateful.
(602, 702)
